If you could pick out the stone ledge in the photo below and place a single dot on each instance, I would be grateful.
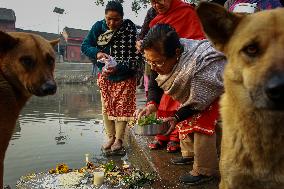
(159, 161)
(74, 73)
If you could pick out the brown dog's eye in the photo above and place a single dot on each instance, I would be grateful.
(50, 60)
(28, 62)
(251, 50)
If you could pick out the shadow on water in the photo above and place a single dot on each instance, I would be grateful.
(56, 129)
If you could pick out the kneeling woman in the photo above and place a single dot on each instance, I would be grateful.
(190, 71)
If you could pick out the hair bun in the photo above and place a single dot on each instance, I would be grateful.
(171, 33)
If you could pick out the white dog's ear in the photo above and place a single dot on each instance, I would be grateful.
(54, 42)
(7, 42)
(218, 23)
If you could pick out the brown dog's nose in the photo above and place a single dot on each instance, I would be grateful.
(274, 89)
(49, 88)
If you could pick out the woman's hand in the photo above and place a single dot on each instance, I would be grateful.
(172, 121)
(101, 55)
(147, 110)
(138, 45)
(109, 71)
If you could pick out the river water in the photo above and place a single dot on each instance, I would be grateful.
(56, 129)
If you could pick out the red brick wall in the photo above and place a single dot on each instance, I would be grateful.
(73, 53)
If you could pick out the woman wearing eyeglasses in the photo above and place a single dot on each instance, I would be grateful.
(183, 18)
(189, 71)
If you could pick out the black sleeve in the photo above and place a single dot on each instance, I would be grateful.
(151, 14)
(154, 91)
(185, 112)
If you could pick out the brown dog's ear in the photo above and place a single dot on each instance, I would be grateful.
(7, 42)
(217, 22)
(54, 42)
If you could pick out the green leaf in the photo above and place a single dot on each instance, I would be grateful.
(149, 120)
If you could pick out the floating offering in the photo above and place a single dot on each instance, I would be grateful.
(106, 175)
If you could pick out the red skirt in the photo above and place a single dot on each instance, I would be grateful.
(119, 98)
(203, 122)
(167, 108)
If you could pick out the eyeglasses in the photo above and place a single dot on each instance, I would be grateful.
(157, 64)
(160, 2)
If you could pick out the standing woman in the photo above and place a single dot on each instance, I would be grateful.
(151, 14)
(115, 37)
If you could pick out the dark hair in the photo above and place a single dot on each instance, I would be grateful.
(114, 6)
(162, 38)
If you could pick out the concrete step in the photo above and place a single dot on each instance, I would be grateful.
(159, 162)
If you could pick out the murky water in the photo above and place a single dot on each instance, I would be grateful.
(56, 129)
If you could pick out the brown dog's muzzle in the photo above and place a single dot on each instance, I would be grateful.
(274, 89)
(48, 88)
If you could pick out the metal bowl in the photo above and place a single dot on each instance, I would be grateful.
(150, 130)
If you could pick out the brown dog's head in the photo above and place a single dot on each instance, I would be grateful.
(254, 46)
(27, 61)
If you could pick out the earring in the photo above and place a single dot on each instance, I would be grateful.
(178, 58)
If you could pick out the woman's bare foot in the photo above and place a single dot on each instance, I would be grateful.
(117, 145)
(109, 143)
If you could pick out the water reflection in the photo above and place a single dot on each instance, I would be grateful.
(17, 132)
(71, 104)
(61, 138)
(55, 129)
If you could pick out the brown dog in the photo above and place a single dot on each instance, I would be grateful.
(252, 107)
(26, 68)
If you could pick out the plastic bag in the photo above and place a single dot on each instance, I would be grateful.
(109, 62)
(246, 8)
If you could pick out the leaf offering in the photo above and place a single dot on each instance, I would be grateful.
(149, 120)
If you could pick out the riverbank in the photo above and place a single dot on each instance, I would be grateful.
(69, 72)
(76, 127)
(139, 153)
(159, 162)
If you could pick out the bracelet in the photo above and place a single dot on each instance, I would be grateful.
(177, 117)
(152, 102)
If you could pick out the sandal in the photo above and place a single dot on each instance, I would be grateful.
(173, 147)
(195, 180)
(108, 144)
(156, 144)
(117, 145)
